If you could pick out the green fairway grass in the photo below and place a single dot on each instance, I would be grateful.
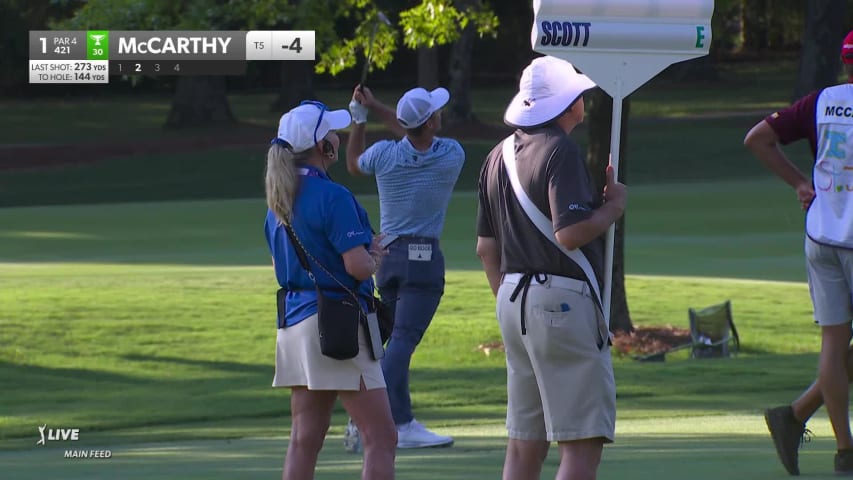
(679, 132)
(698, 151)
(744, 229)
(137, 295)
(704, 448)
(150, 327)
(116, 346)
(161, 313)
(740, 87)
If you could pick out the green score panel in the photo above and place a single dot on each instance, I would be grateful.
(97, 45)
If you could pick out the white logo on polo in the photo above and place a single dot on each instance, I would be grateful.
(57, 434)
(353, 233)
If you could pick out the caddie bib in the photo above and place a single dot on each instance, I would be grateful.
(830, 217)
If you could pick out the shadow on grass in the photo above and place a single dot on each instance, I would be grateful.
(170, 391)
(25, 377)
(234, 367)
(699, 456)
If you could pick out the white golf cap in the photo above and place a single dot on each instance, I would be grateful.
(547, 87)
(416, 106)
(308, 123)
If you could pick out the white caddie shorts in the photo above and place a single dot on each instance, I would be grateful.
(830, 271)
(560, 384)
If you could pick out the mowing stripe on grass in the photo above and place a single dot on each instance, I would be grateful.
(699, 448)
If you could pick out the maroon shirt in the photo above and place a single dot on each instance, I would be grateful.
(797, 121)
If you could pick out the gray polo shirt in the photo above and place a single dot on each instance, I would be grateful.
(553, 173)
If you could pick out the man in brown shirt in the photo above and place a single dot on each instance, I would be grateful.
(560, 384)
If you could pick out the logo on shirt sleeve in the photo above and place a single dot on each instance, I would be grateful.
(579, 207)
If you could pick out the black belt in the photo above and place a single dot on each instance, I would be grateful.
(522, 287)
(418, 238)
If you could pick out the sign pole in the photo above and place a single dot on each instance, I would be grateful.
(620, 45)
(615, 138)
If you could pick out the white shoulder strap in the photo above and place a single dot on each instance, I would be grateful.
(542, 222)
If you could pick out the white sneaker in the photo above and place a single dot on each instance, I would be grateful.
(415, 435)
(352, 440)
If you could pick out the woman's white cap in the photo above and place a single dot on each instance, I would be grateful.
(307, 124)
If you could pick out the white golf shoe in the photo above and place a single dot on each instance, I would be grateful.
(415, 435)
(352, 440)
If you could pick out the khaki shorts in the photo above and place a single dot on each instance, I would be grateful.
(299, 362)
(560, 384)
(830, 272)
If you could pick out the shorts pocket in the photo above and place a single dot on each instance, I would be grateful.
(573, 326)
(558, 319)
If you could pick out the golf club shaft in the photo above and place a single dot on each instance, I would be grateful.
(369, 53)
(380, 17)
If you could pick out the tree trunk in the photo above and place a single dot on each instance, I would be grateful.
(819, 57)
(200, 101)
(297, 84)
(756, 19)
(460, 72)
(427, 67)
(599, 115)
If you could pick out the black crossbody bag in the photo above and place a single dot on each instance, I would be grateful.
(338, 319)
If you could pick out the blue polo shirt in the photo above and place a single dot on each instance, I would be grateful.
(328, 221)
(414, 186)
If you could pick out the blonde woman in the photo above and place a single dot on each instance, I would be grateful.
(334, 229)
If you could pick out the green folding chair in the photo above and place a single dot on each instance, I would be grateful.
(713, 332)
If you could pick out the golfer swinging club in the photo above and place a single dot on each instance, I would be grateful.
(415, 177)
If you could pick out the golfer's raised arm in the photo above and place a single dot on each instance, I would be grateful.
(355, 147)
(355, 141)
(385, 113)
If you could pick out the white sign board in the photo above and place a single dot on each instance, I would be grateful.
(622, 40)
(620, 45)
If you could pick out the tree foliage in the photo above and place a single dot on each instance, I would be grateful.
(430, 23)
(201, 15)
(427, 24)
(142, 15)
(17, 18)
(343, 54)
(438, 22)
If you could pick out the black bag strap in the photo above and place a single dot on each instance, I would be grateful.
(303, 255)
(300, 250)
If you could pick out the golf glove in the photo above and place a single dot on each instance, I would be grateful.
(358, 112)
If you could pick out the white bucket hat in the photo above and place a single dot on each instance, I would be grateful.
(307, 124)
(547, 87)
(416, 106)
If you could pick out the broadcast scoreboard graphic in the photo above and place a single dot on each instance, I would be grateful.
(93, 56)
